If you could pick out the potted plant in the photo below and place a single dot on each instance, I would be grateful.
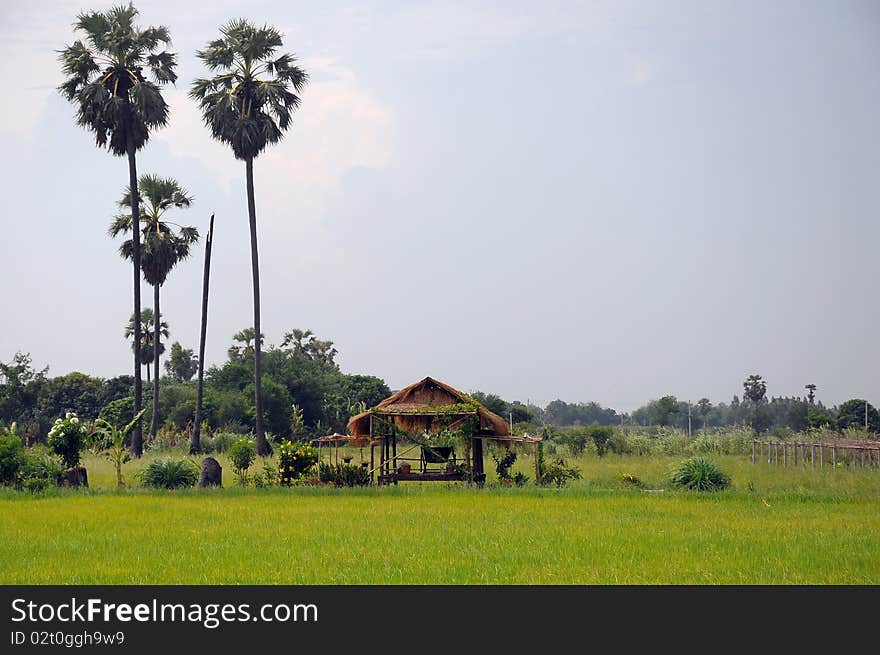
(404, 468)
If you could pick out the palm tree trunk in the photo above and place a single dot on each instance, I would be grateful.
(262, 444)
(137, 438)
(157, 324)
(195, 445)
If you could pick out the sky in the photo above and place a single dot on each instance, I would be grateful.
(603, 201)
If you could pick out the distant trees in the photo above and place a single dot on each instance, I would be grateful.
(853, 414)
(181, 364)
(147, 331)
(664, 409)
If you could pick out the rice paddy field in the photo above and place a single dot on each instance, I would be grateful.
(773, 526)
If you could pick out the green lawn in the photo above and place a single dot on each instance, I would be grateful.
(774, 526)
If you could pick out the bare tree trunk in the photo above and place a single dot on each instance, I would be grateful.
(195, 445)
(137, 438)
(157, 324)
(262, 444)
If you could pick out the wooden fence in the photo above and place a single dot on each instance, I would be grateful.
(816, 453)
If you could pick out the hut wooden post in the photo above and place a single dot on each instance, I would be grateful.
(784, 455)
(821, 456)
(794, 452)
(754, 450)
(479, 475)
(537, 464)
(813, 455)
(372, 462)
(834, 456)
(394, 463)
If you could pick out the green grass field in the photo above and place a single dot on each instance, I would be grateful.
(775, 526)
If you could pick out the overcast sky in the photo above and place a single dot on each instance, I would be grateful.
(608, 201)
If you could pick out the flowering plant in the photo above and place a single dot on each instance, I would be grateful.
(67, 438)
(294, 459)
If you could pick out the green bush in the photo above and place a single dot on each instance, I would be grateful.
(700, 474)
(170, 474)
(294, 459)
(242, 454)
(67, 438)
(11, 459)
(344, 475)
(600, 435)
(41, 468)
(221, 442)
(575, 440)
(503, 464)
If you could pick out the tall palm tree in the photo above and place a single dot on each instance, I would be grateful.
(162, 248)
(105, 79)
(145, 352)
(248, 105)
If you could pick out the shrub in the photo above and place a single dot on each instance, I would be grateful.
(700, 474)
(11, 459)
(575, 440)
(242, 454)
(630, 478)
(601, 435)
(170, 474)
(41, 468)
(503, 464)
(558, 473)
(67, 438)
(222, 441)
(344, 475)
(294, 459)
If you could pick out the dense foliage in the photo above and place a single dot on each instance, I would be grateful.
(700, 474)
(170, 474)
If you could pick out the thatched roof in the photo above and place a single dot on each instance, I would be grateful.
(416, 408)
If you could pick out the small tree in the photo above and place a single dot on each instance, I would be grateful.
(242, 454)
(116, 451)
(67, 439)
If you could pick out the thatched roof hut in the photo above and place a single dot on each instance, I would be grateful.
(426, 406)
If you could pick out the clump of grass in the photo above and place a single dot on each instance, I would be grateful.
(700, 474)
(630, 479)
(170, 474)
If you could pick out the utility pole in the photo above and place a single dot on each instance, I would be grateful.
(689, 419)
(866, 416)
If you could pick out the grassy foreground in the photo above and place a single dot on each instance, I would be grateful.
(775, 526)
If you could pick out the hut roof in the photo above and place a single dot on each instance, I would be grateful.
(427, 399)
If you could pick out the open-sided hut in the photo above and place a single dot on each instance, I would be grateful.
(417, 411)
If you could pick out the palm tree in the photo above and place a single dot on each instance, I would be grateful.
(113, 98)
(246, 350)
(162, 248)
(248, 105)
(147, 332)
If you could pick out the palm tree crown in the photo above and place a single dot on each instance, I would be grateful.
(162, 247)
(145, 352)
(248, 105)
(105, 77)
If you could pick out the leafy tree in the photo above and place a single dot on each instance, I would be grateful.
(664, 409)
(147, 329)
(755, 390)
(248, 105)
(704, 407)
(851, 414)
(114, 99)
(182, 364)
(163, 248)
(811, 392)
(246, 350)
